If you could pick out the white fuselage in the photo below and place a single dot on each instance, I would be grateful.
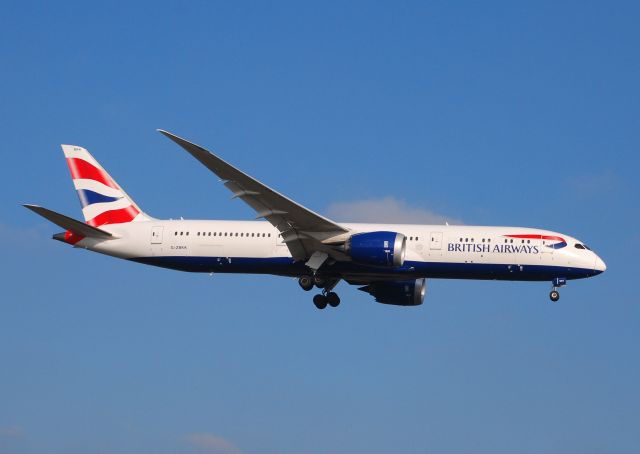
(442, 251)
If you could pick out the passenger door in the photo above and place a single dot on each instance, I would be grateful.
(156, 240)
(435, 241)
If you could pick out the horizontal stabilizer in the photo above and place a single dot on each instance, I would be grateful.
(77, 227)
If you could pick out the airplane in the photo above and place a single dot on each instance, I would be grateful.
(391, 262)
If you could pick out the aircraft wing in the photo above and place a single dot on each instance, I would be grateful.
(304, 231)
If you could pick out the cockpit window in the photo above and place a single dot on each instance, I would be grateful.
(586, 247)
(579, 246)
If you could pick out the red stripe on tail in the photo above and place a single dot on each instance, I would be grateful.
(114, 216)
(82, 169)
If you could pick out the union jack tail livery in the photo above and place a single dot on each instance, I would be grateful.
(103, 200)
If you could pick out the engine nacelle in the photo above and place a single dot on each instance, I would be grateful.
(378, 248)
(404, 293)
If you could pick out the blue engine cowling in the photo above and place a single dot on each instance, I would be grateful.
(403, 293)
(378, 248)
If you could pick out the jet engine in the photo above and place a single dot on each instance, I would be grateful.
(378, 248)
(403, 293)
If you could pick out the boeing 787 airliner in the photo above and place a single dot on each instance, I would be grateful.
(389, 261)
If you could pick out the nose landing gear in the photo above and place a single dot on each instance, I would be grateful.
(555, 285)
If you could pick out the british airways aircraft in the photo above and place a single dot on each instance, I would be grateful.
(389, 261)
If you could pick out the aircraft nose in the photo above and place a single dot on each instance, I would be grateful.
(599, 266)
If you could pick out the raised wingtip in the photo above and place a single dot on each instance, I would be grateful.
(165, 133)
(177, 139)
(192, 148)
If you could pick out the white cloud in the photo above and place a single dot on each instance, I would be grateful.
(589, 185)
(386, 209)
(212, 444)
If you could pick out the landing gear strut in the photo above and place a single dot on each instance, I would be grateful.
(555, 285)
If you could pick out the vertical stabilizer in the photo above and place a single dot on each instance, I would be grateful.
(103, 200)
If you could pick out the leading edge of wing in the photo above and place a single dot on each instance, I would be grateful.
(302, 217)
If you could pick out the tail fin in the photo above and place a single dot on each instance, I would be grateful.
(103, 200)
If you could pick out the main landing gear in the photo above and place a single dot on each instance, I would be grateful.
(327, 297)
(306, 282)
(322, 299)
(555, 285)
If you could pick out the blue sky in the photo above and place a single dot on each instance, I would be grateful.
(496, 113)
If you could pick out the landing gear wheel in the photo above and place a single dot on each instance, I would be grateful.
(554, 295)
(306, 282)
(320, 301)
(319, 281)
(333, 299)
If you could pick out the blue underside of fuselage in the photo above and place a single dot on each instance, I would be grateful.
(285, 266)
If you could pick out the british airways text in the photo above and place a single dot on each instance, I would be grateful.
(495, 248)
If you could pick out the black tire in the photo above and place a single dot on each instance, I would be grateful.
(333, 299)
(320, 301)
(319, 281)
(554, 295)
(306, 282)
